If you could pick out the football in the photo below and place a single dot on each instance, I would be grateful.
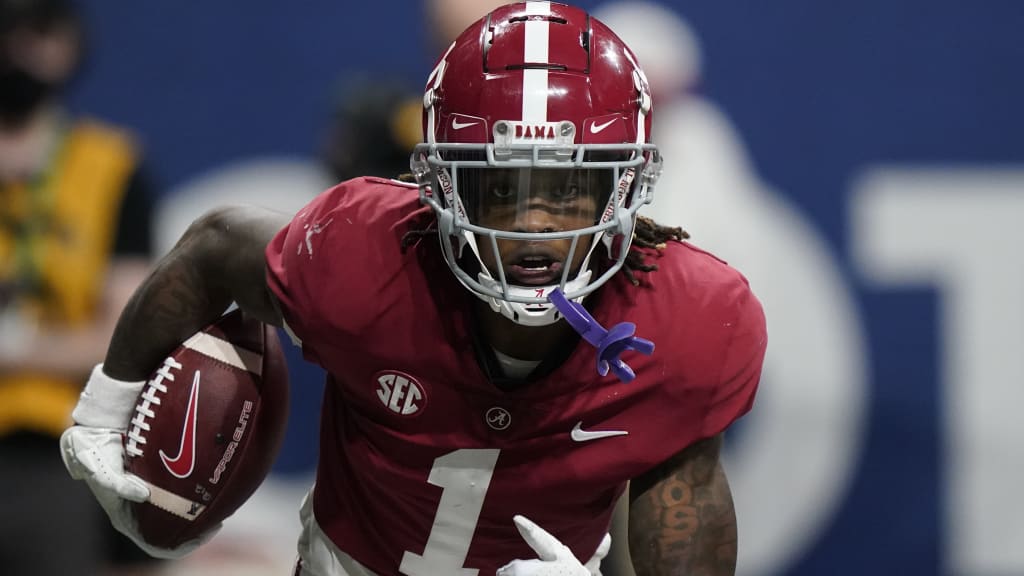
(207, 428)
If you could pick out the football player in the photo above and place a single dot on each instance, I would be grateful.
(488, 328)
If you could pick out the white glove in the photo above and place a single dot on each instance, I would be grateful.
(555, 558)
(92, 450)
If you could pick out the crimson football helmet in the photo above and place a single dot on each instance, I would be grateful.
(536, 156)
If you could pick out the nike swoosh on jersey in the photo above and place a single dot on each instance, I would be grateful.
(581, 435)
(595, 128)
(181, 465)
(456, 125)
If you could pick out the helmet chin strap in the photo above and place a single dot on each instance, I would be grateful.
(541, 314)
(533, 314)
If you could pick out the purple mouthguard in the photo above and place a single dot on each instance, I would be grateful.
(609, 343)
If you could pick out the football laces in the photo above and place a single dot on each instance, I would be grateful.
(144, 409)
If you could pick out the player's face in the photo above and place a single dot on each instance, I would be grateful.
(532, 201)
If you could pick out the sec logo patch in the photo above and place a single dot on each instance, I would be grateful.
(400, 393)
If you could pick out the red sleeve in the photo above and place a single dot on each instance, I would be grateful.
(741, 367)
(296, 272)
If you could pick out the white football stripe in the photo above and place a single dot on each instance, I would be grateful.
(535, 81)
(182, 507)
(226, 352)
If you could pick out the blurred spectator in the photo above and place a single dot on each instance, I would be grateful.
(375, 125)
(377, 120)
(74, 240)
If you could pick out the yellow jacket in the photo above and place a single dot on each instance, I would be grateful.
(56, 238)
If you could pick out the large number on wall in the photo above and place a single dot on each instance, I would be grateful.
(961, 231)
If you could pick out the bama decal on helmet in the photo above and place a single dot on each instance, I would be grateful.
(400, 393)
(508, 133)
(524, 131)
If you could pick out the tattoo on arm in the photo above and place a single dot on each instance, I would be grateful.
(682, 520)
(218, 260)
(162, 313)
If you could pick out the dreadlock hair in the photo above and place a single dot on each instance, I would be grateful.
(647, 234)
(413, 236)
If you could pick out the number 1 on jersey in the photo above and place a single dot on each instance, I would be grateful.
(464, 476)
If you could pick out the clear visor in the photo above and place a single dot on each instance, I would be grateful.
(535, 201)
(518, 221)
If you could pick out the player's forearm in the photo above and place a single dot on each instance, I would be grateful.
(685, 523)
(217, 261)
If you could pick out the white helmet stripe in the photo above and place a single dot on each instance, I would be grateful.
(433, 84)
(535, 81)
(641, 118)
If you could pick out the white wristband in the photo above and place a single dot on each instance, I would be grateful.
(106, 402)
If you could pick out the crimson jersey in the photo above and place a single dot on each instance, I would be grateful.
(424, 460)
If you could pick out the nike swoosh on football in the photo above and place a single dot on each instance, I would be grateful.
(595, 128)
(456, 125)
(181, 465)
(581, 435)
